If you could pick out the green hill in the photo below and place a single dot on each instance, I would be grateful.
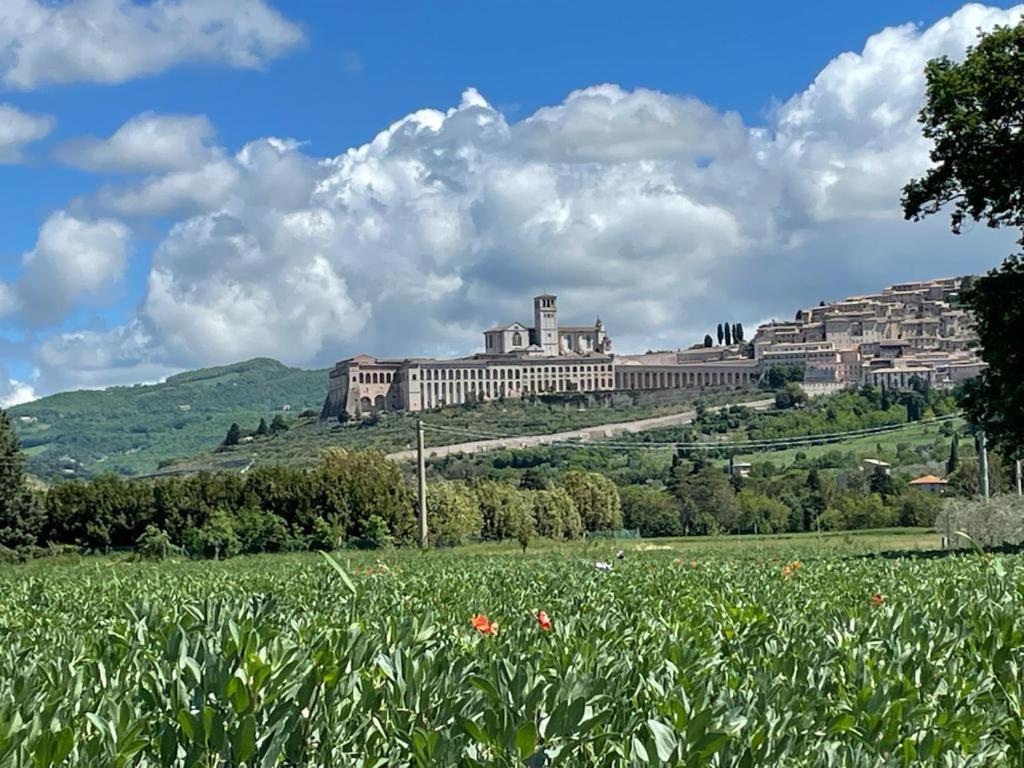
(131, 430)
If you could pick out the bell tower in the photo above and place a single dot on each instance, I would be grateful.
(545, 324)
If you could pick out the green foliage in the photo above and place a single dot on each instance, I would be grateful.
(216, 538)
(372, 486)
(858, 511)
(555, 515)
(233, 436)
(761, 513)
(651, 510)
(132, 429)
(262, 429)
(19, 513)
(291, 660)
(954, 455)
(453, 516)
(596, 498)
(154, 544)
(503, 508)
(791, 395)
(916, 507)
(278, 425)
(995, 400)
(972, 117)
(707, 499)
(778, 376)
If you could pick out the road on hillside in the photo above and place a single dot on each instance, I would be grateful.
(587, 433)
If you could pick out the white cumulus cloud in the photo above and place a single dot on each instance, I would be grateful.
(147, 142)
(18, 128)
(659, 212)
(73, 257)
(112, 41)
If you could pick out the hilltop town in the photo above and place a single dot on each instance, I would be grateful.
(907, 332)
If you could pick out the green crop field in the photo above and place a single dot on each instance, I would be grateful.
(697, 653)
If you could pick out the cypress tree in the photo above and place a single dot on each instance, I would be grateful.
(708, 341)
(233, 436)
(262, 428)
(728, 335)
(954, 456)
(721, 333)
(19, 516)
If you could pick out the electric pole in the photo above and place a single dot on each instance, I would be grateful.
(421, 481)
(982, 464)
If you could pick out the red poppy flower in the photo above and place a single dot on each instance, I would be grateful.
(877, 599)
(484, 626)
(544, 621)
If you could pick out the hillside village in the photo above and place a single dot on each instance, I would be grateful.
(907, 332)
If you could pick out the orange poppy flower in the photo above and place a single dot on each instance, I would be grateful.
(787, 571)
(484, 626)
(544, 621)
(796, 565)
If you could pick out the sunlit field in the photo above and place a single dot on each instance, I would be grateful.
(794, 651)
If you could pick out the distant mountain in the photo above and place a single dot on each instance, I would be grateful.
(131, 430)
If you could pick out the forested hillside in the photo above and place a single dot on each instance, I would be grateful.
(130, 430)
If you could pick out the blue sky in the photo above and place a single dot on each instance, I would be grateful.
(665, 165)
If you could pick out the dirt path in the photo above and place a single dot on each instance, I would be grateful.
(587, 433)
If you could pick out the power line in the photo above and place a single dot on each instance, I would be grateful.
(741, 445)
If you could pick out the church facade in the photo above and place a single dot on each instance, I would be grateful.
(518, 360)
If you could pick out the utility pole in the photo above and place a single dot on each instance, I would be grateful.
(421, 478)
(982, 464)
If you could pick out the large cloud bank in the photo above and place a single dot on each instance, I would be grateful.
(657, 211)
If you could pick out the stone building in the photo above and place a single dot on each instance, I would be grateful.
(908, 331)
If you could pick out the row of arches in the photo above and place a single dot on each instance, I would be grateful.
(680, 379)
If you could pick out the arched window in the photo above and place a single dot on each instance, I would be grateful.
(517, 339)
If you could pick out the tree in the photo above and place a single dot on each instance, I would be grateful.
(20, 516)
(708, 341)
(737, 332)
(881, 482)
(762, 513)
(154, 544)
(791, 395)
(278, 425)
(709, 501)
(972, 115)
(262, 430)
(216, 538)
(233, 436)
(452, 513)
(596, 498)
(721, 333)
(651, 510)
(915, 404)
(885, 402)
(370, 485)
(555, 515)
(502, 507)
(728, 335)
(954, 456)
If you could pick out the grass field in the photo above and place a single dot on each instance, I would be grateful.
(748, 651)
